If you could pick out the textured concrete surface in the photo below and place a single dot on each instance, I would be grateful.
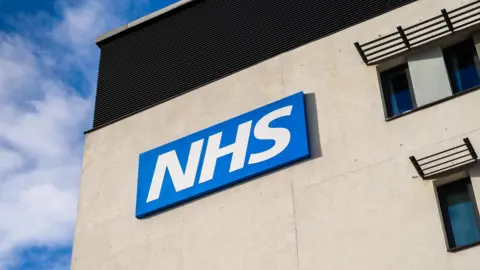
(429, 76)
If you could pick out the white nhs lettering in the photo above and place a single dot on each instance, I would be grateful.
(186, 179)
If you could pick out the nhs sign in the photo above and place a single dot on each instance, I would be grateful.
(225, 154)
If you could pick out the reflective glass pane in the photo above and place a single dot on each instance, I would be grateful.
(462, 218)
(467, 76)
(459, 213)
(461, 66)
(397, 91)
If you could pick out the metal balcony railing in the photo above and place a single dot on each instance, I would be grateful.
(445, 161)
(426, 31)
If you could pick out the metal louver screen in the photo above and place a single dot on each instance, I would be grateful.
(206, 40)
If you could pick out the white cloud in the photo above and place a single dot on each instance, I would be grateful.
(42, 117)
(16, 64)
(14, 160)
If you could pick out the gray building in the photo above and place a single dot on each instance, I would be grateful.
(392, 117)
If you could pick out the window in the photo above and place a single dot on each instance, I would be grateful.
(459, 213)
(397, 90)
(438, 74)
(463, 66)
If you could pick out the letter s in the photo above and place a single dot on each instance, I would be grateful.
(262, 131)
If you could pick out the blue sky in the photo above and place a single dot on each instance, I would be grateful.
(48, 65)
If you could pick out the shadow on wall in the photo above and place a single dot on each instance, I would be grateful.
(315, 152)
(312, 126)
(475, 172)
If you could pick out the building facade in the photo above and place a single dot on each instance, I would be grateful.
(391, 113)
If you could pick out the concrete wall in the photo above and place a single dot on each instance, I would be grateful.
(429, 76)
(357, 204)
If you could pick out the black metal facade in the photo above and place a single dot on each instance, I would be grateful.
(206, 40)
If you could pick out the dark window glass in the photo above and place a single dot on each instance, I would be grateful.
(397, 90)
(462, 65)
(460, 214)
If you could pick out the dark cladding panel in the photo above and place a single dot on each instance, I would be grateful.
(206, 40)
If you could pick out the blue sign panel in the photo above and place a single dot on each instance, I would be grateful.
(225, 154)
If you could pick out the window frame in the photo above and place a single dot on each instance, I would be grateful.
(416, 108)
(386, 88)
(431, 104)
(444, 218)
(449, 64)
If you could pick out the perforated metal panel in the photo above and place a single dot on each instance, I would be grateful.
(206, 40)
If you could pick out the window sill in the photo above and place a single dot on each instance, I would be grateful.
(432, 103)
(456, 249)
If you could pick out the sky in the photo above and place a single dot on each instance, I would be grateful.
(48, 68)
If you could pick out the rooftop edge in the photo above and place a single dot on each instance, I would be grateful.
(141, 20)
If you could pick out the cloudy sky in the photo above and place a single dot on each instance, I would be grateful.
(48, 65)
